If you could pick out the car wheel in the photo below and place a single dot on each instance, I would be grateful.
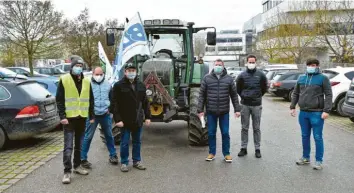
(289, 95)
(3, 138)
(352, 119)
(339, 108)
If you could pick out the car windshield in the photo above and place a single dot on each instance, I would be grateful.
(329, 74)
(5, 71)
(35, 90)
(45, 71)
(277, 77)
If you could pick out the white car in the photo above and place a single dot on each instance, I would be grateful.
(340, 78)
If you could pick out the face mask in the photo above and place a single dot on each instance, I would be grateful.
(77, 70)
(251, 66)
(218, 69)
(131, 75)
(98, 78)
(311, 69)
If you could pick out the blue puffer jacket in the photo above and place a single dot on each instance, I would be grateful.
(101, 95)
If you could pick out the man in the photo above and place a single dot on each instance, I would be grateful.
(313, 93)
(101, 89)
(251, 86)
(75, 104)
(130, 104)
(215, 91)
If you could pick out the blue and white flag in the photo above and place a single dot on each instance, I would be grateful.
(134, 42)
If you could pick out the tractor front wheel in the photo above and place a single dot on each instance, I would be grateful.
(197, 135)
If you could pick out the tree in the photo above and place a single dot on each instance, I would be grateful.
(31, 25)
(199, 45)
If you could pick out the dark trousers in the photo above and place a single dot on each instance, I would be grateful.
(74, 131)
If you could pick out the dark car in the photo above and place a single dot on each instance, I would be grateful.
(271, 73)
(26, 109)
(284, 83)
(348, 105)
(50, 84)
(26, 71)
(49, 71)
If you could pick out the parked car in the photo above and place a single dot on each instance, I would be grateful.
(49, 71)
(48, 83)
(348, 105)
(9, 74)
(26, 71)
(67, 66)
(284, 83)
(272, 72)
(26, 109)
(340, 79)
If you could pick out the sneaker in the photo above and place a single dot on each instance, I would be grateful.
(86, 164)
(243, 152)
(124, 168)
(66, 178)
(210, 157)
(113, 160)
(318, 166)
(303, 161)
(80, 170)
(228, 158)
(258, 153)
(139, 165)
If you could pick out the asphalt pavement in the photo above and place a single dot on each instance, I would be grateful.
(174, 166)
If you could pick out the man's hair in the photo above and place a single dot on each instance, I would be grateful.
(219, 60)
(312, 61)
(251, 56)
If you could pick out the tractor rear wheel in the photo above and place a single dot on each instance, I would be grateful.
(116, 134)
(197, 135)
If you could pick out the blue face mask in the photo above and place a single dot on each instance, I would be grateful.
(218, 69)
(311, 70)
(131, 75)
(77, 70)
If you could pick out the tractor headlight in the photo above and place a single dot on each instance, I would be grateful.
(148, 92)
(148, 22)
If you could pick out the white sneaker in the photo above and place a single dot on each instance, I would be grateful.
(318, 166)
(80, 170)
(66, 178)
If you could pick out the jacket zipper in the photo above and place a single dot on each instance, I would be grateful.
(218, 93)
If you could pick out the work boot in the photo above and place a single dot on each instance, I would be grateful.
(228, 158)
(113, 160)
(124, 168)
(138, 165)
(86, 164)
(243, 152)
(303, 161)
(317, 166)
(66, 178)
(80, 170)
(210, 157)
(258, 153)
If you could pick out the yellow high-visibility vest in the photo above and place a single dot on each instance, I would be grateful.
(75, 104)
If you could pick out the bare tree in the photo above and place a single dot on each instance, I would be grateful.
(31, 25)
(199, 43)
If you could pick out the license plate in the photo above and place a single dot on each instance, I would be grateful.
(351, 100)
(50, 107)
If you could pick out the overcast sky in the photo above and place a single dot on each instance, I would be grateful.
(222, 14)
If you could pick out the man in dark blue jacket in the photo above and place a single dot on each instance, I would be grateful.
(251, 86)
(215, 92)
(313, 93)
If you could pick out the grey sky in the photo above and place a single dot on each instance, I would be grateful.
(222, 14)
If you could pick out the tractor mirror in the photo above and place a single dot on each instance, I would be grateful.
(110, 39)
(211, 38)
(156, 37)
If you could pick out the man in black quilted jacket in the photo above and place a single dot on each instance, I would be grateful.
(215, 92)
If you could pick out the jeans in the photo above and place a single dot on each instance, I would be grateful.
(73, 131)
(254, 112)
(314, 121)
(106, 123)
(224, 127)
(124, 145)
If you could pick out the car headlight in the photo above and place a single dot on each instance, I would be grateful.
(148, 92)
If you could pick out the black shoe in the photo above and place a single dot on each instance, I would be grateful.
(243, 152)
(258, 153)
(113, 160)
(86, 164)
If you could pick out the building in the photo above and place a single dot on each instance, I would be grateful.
(250, 31)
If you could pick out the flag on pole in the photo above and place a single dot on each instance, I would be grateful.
(104, 62)
(134, 42)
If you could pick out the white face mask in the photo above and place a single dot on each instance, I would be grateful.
(98, 78)
(251, 66)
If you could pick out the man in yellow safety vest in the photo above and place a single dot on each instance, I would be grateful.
(75, 104)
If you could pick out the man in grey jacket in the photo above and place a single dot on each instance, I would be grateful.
(215, 92)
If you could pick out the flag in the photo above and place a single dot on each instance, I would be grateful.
(105, 64)
(134, 42)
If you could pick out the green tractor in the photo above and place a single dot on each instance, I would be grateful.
(172, 79)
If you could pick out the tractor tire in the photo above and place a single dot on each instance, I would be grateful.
(197, 136)
(116, 134)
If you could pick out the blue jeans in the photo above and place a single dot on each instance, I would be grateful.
(106, 123)
(212, 121)
(314, 121)
(124, 145)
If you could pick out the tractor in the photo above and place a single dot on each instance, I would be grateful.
(172, 79)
